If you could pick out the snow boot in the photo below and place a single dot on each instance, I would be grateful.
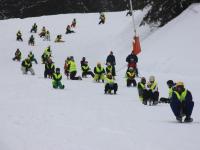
(179, 119)
(188, 119)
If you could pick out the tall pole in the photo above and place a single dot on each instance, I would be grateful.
(134, 26)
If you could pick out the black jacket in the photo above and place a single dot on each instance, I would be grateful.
(131, 56)
(111, 59)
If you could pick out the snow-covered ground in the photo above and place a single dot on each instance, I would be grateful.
(34, 116)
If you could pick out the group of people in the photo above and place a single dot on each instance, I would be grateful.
(180, 99)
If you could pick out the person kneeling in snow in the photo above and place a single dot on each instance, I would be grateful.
(142, 91)
(18, 55)
(27, 66)
(32, 57)
(57, 77)
(31, 41)
(182, 103)
(99, 72)
(130, 75)
(152, 87)
(110, 84)
(86, 70)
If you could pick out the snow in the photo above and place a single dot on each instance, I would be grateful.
(34, 116)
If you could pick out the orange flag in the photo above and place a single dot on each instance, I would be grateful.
(136, 45)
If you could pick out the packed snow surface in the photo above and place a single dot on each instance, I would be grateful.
(34, 116)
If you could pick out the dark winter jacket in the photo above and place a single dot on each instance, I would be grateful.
(111, 59)
(131, 56)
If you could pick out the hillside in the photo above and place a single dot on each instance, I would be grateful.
(34, 116)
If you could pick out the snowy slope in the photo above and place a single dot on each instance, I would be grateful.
(33, 116)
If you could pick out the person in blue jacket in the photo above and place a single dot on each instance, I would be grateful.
(182, 103)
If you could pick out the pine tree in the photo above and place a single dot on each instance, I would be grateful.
(162, 11)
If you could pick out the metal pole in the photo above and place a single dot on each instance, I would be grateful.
(134, 26)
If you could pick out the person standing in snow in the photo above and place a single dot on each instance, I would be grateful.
(182, 103)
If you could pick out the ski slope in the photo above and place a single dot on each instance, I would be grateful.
(34, 116)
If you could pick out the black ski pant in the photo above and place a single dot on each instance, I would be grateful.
(145, 95)
(73, 76)
(179, 108)
(69, 31)
(84, 74)
(153, 96)
(110, 87)
(131, 82)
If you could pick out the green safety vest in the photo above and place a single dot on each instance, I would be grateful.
(72, 66)
(109, 81)
(153, 86)
(27, 64)
(181, 97)
(170, 92)
(130, 75)
(99, 69)
(52, 65)
(30, 56)
(142, 85)
(109, 68)
(57, 76)
(85, 67)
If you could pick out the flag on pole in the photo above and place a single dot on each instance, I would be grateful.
(136, 45)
